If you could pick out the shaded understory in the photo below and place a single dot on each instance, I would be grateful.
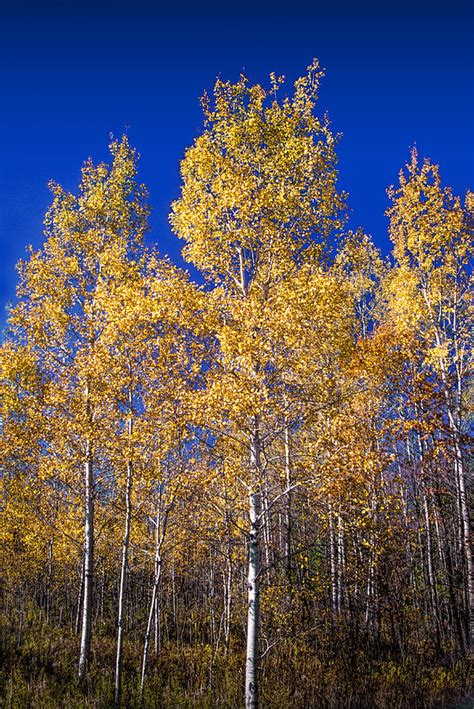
(38, 669)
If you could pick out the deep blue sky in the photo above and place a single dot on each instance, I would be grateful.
(72, 72)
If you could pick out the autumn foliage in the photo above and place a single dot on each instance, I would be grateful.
(252, 490)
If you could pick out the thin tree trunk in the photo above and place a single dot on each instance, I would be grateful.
(227, 602)
(212, 593)
(340, 563)
(79, 599)
(123, 580)
(227, 576)
(160, 525)
(146, 646)
(288, 511)
(266, 528)
(467, 547)
(430, 569)
(50, 575)
(431, 577)
(332, 561)
(88, 565)
(157, 624)
(253, 581)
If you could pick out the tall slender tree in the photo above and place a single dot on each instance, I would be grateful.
(59, 316)
(259, 196)
(430, 290)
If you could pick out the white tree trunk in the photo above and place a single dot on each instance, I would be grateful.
(88, 565)
(467, 545)
(332, 560)
(288, 510)
(160, 525)
(253, 614)
(227, 603)
(79, 598)
(228, 576)
(146, 646)
(253, 609)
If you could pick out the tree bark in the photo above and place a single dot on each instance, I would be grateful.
(88, 565)
(253, 580)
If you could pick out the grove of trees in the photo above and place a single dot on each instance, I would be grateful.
(253, 491)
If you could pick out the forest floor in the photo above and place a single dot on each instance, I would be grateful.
(40, 672)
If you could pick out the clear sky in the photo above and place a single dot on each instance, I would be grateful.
(398, 73)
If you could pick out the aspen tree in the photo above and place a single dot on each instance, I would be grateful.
(143, 360)
(58, 316)
(259, 195)
(429, 293)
